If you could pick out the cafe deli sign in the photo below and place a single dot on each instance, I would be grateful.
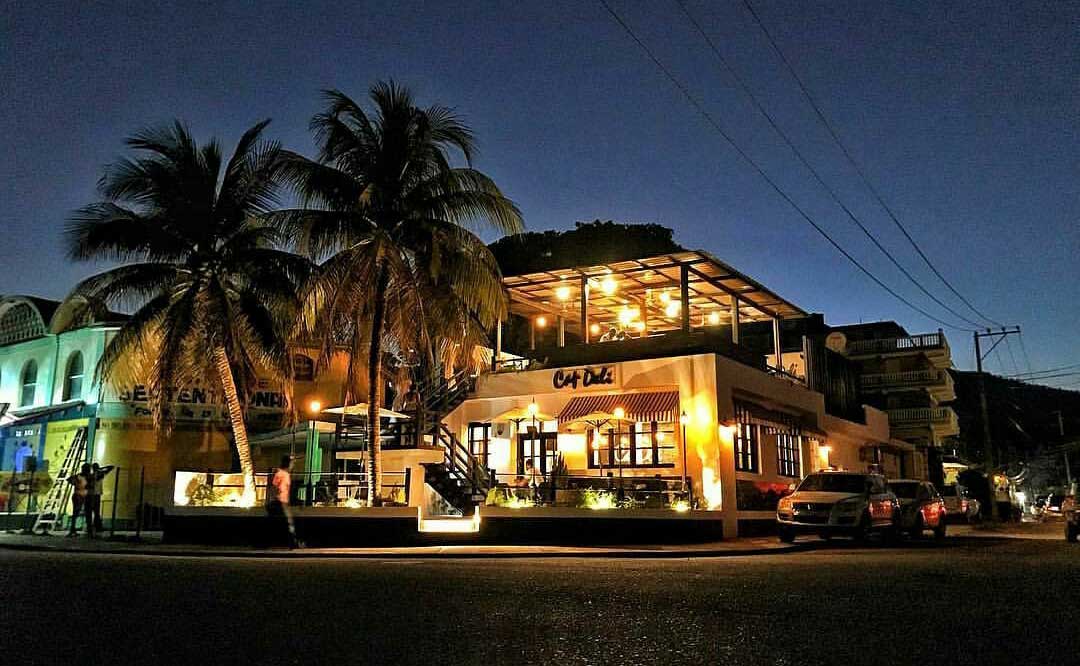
(574, 378)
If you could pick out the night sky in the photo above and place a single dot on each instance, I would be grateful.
(965, 115)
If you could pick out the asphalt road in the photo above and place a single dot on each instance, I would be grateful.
(969, 601)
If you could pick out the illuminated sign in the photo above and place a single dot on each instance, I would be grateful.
(584, 377)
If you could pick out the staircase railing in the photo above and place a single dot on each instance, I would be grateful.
(461, 464)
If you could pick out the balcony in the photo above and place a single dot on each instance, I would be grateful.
(942, 421)
(938, 382)
(924, 342)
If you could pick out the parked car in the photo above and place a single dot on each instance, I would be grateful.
(921, 507)
(1070, 508)
(959, 505)
(838, 503)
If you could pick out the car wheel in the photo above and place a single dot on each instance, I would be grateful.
(939, 531)
(787, 535)
(1071, 532)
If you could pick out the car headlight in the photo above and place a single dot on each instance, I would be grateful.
(784, 505)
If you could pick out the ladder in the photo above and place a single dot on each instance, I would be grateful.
(51, 513)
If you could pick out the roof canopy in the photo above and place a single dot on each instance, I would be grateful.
(648, 287)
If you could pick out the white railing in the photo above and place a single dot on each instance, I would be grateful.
(907, 378)
(921, 415)
(887, 345)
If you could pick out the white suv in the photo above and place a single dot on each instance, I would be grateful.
(846, 503)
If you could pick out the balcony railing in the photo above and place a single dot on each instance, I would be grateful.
(926, 341)
(908, 378)
(590, 492)
(921, 415)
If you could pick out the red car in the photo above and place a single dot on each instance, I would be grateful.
(921, 508)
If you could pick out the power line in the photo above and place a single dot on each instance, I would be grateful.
(855, 165)
(1023, 348)
(1021, 375)
(1008, 348)
(760, 171)
(806, 163)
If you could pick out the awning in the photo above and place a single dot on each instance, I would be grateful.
(643, 407)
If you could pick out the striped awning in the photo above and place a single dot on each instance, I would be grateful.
(642, 407)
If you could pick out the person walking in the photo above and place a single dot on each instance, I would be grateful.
(278, 508)
(95, 482)
(79, 488)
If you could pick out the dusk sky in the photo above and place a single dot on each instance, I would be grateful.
(965, 115)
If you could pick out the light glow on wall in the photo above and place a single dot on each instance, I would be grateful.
(448, 525)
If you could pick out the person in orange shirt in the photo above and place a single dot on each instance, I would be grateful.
(278, 508)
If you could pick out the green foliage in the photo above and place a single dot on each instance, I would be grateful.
(204, 494)
(588, 243)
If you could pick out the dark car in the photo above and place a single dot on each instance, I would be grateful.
(921, 508)
(1071, 510)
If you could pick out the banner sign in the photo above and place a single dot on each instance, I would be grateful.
(584, 377)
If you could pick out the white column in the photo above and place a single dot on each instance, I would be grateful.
(735, 319)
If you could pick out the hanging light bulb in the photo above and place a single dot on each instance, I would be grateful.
(562, 293)
(714, 318)
(608, 285)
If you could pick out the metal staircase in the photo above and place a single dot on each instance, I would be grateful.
(51, 513)
(459, 479)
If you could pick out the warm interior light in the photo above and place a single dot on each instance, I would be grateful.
(608, 285)
(627, 315)
(639, 326)
(541, 321)
(619, 413)
(714, 318)
(665, 297)
(314, 406)
(594, 329)
(672, 308)
(684, 418)
(533, 409)
(660, 437)
(562, 293)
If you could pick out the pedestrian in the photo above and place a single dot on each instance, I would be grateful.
(95, 482)
(278, 508)
(79, 486)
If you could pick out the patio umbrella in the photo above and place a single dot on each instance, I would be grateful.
(519, 414)
(595, 420)
(360, 409)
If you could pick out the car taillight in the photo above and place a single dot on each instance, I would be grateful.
(881, 509)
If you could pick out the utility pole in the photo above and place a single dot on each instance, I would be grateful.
(988, 450)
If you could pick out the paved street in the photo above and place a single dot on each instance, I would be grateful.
(984, 601)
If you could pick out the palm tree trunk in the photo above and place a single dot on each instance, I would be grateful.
(236, 417)
(375, 391)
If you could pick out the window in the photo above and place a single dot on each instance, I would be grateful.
(787, 454)
(73, 378)
(746, 442)
(479, 440)
(29, 384)
(303, 368)
(650, 444)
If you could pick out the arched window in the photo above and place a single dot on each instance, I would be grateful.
(73, 378)
(303, 368)
(29, 384)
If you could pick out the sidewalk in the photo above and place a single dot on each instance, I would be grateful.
(151, 544)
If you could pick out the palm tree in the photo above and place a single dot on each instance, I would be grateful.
(394, 221)
(200, 268)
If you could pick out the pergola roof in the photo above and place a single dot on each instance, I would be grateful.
(642, 283)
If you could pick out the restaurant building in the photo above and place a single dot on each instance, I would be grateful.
(657, 381)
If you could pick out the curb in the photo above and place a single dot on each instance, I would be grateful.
(425, 555)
